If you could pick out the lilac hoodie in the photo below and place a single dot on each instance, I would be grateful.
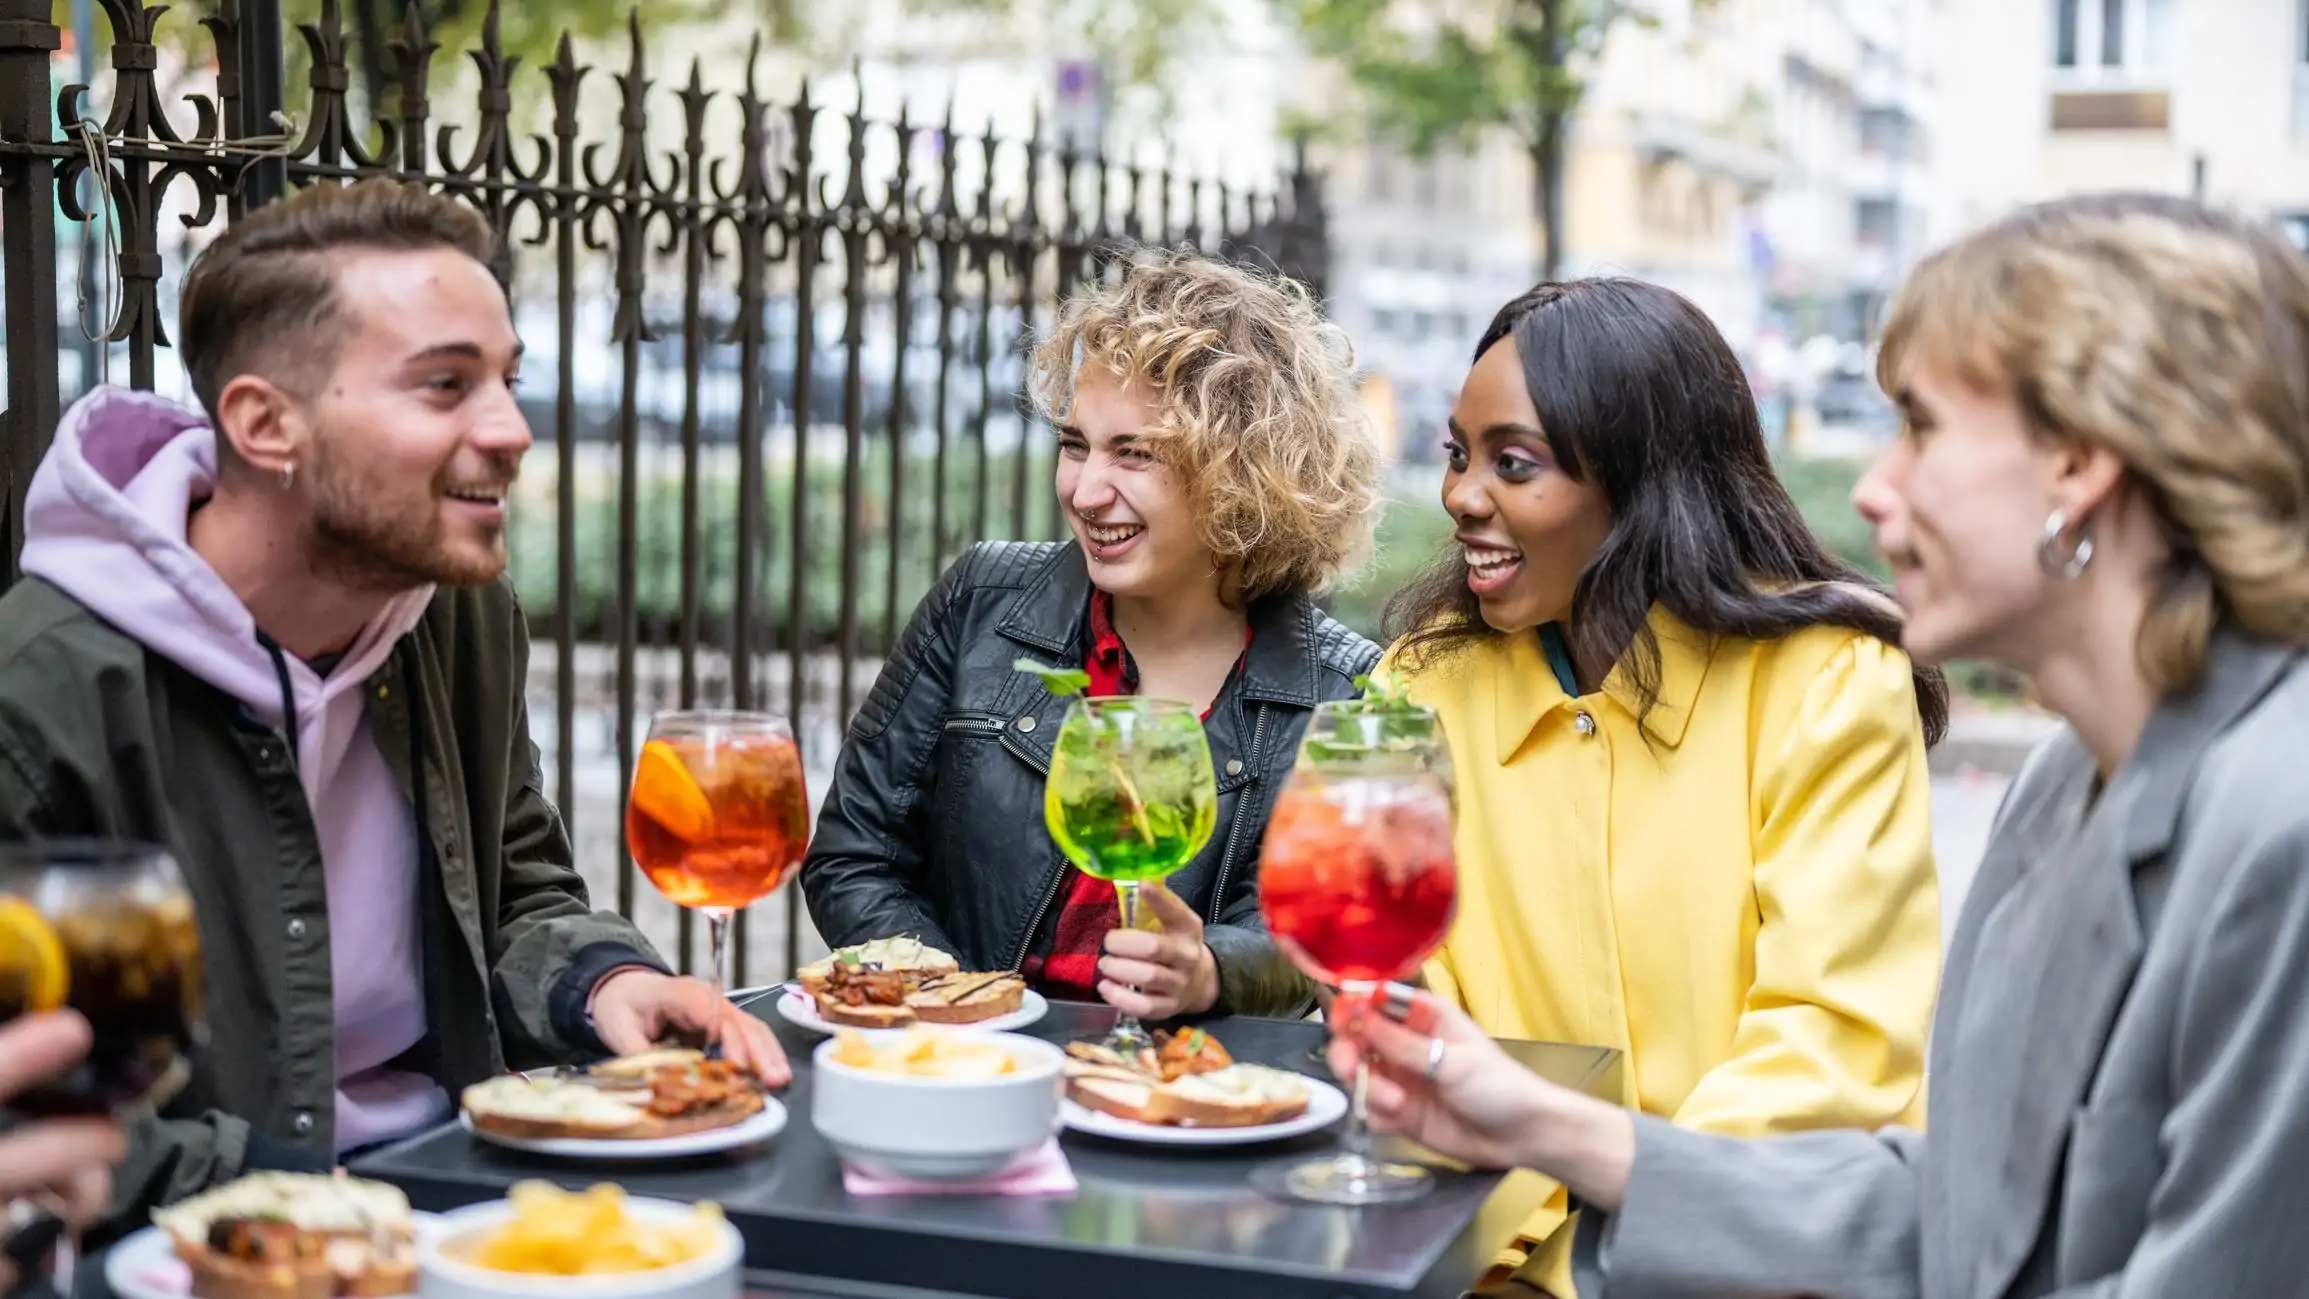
(105, 522)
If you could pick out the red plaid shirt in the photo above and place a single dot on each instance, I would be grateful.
(1091, 908)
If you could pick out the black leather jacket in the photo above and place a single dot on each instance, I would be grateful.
(933, 826)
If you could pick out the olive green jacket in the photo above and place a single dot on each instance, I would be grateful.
(101, 737)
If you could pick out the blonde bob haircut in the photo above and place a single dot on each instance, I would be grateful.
(2176, 337)
(1256, 412)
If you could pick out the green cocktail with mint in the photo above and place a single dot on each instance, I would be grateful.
(1131, 796)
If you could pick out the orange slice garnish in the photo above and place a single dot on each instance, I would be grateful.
(666, 792)
(29, 945)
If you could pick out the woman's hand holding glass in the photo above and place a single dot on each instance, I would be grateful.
(1439, 1080)
(1163, 974)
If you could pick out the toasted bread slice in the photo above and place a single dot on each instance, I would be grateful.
(346, 1268)
(543, 1109)
(909, 955)
(639, 1066)
(729, 1113)
(380, 1278)
(216, 1276)
(1097, 1054)
(1123, 1096)
(292, 1235)
(871, 1015)
(1240, 1096)
(554, 1109)
(967, 998)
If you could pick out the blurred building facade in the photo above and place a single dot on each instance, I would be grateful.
(1770, 159)
(2186, 96)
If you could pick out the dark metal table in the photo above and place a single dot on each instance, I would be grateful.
(1147, 1223)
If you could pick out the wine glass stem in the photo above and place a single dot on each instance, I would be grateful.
(1355, 1142)
(1126, 894)
(1355, 1139)
(67, 1267)
(718, 928)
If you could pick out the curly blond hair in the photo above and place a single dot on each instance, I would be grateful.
(2178, 338)
(1256, 411)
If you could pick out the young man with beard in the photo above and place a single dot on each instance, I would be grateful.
(276, 640)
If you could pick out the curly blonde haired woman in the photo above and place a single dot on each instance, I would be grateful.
(1216, 471)
(2102, 481)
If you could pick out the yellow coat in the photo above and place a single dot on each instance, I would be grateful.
(1745, 905)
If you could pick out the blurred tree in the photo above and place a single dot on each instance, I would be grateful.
(529, 31)
(1136, 42)
(1444, 74)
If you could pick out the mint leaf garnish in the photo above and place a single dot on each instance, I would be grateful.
(1386, 721)
(1058, 681)
(1384, 691)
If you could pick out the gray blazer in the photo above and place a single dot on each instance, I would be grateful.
(2120, 1060)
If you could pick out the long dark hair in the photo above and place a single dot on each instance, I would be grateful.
(1638, 393)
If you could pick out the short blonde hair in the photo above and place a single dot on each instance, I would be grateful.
(1256, 411)
(2178, 338)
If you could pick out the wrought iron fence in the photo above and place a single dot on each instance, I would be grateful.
(784, 351)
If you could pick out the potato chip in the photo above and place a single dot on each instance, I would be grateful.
(925, 1053)
(552, 1232)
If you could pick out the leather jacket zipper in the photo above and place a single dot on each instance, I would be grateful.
(1041, 909)
(1057, 878)
(984, 722)
(1235, 831)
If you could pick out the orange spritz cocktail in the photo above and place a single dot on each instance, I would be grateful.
(718, 816)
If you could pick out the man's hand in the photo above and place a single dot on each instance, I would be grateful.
(1160, 976)
(634, 1008)
(65, 1162)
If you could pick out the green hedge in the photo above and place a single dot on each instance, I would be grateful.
(1412, 531)
(534, 547)
(1823, 487)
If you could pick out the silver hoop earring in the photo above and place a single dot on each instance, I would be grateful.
(288, 477)
(2067, 567)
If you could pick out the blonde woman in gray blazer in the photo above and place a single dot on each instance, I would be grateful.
(2103, 481)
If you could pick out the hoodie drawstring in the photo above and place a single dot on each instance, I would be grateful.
(288, 696)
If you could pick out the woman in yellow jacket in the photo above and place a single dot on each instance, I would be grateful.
(1694, 817)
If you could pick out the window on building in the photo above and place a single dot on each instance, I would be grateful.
(1884, 133)
(2064, 33)
(2112, 40)
(2301, 78)
(1876, 222)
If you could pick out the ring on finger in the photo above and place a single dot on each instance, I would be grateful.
(1434, 1059)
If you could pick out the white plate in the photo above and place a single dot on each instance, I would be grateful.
(801, 1009)
(761, 1127)
(145, 1265)
(1326, 1105)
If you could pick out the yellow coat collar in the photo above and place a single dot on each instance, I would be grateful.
(1524, 690)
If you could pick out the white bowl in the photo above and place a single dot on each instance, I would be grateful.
(939, 1129)
(712, 1275)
